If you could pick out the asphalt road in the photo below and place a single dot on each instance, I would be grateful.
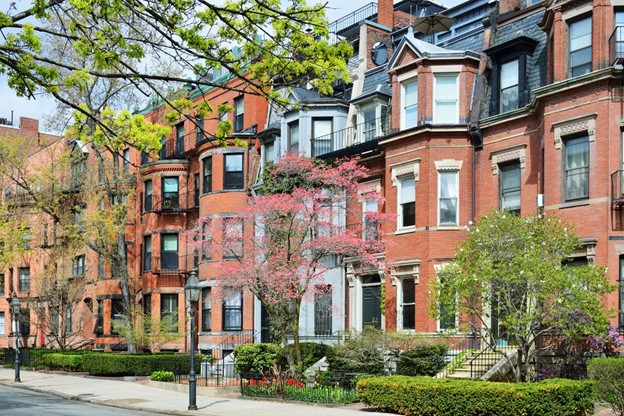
(21, 402)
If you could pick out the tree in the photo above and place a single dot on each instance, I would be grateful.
(141, 329)
(512, 279)
(266, 44)
(293, 228)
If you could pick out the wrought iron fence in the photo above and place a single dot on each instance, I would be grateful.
(350, 136)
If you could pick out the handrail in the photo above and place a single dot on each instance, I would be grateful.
(468, 342)
(353, 18)
(350, 136)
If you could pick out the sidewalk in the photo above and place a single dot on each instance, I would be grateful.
(137, 396)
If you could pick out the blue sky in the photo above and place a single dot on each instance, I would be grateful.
(23, 107)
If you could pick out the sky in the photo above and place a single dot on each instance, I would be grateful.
(36, 108)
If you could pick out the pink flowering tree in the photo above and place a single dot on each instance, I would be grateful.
(294, 224)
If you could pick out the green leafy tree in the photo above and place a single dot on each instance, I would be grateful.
(512, 279)
(143, 330)
(266, 44)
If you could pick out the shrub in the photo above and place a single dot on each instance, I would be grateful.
(61, 361)
(425, 396)
(311, 352)
(422, 360)
(360, 354)
(608, 374)
(120, 364)
(256, 358)
(162, 376)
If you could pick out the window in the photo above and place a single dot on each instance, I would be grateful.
(78, 266)
(24, 279)
(78, 168)
(322, 134)
(126, 161)
(448, 192)
(233, 238)
(163, 148)
(2, 324)
(100, 267)
(509, 186)
(206, 240)
(117, 315)
(509, 86)
(1, 285)
(233, 311)
(144, 158)
(269, 152)
(446, 105)
(180, 138)
(24, 321)
(619, 34)
(409, 98)
(323, 311)
(206, 310)
(68, 320)
(447, 313)
(148, 195)
(407, 301)
(170, 195)
(199, 129)
(580, 46)
(169, 311)
(576, 168)
(370, 225)
(621, 295)
(99, 320)
(369, 130)
(233, 177)
(239, 110)
(196, 189)
(293, 137)
(407, 202)
(207, 175)
(223, 115)
(169, 252)
(147, 313)
(147, 253)
(26, 239)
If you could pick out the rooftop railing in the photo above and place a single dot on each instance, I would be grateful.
(351, 136)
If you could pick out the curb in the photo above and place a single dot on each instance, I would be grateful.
(92, 401)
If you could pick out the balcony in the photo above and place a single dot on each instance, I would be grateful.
(172, 202)
(351, 136)
(369, 231)
(616, 46)
(349, 26)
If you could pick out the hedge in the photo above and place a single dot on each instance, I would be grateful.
(256, 358)
(422, 360)
(166, 376)
(120, 364)
(608, 376)
(62, 361)
(424, 396)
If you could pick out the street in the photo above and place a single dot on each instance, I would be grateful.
(16, 401)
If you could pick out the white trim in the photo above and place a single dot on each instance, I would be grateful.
(449, 166)
(403, 117)
(446, 68)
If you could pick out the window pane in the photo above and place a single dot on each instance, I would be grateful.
(170, 184)
(409, 316)
(233, 163)
(446, 87)
(408, 214)
(170, 242)
(510, 186)
(323, 127)
(448, 197)
(408, 190)
(577, 168)
(580, 33)
(509, 74)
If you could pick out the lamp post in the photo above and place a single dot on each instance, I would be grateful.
(15, 311)
(191, 292)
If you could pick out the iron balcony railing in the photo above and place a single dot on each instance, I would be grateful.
(617, 187)
(351, 136)
(353, 18)
(616, 45)
(170, 201)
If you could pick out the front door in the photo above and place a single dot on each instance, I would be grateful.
(371, 306)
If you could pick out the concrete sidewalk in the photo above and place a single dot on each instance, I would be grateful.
(138, 396)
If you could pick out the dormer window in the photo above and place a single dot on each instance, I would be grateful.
(509, 86)
(371, 121)
(509, 74)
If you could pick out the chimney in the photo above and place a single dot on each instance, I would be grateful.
(385, 13)
(507, 6)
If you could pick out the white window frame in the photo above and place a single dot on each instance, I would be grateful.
(399, 172)
(449, 166)
(404, 83)
(2, 323)
(436, 115)
(400, 226)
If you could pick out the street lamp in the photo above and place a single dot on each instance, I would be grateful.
(191, 292)
(15, 311)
